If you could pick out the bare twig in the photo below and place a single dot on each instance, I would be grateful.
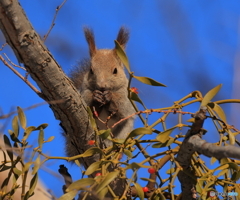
(53, 21)
(19, 75)
(13, 63)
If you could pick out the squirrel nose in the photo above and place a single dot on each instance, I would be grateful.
(102, 89)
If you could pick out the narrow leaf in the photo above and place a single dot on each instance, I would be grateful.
(220, 112)
(92, 120)
(91, 151)
(104, 133)
(93, 167)
(28, 131)
(79, 184)
(208, 97)
(15, 126)
(40, 138)
(33, 184)
(107, 179)
(122, 55)
(149, 81)
(22, 118)
(135, 166)
(8, 146)
(140, 131)
(139, 191)
(69, 195)
(128, 153)
(164, 136)
(103, 193)
(36, 165)
(42, 126)
(165, 144)
(135, 97)
(51, 138)
(148, 180)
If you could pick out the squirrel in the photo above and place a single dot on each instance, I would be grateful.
(102, 83)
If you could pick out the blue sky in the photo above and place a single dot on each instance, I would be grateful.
(187, 45)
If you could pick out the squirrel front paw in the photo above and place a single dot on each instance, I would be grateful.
(102, 97)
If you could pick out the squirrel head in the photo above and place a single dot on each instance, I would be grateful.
(106, 71)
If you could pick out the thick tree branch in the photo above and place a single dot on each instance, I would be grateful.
(46, 72)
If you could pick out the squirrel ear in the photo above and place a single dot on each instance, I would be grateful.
(123, 36)
(90, 40)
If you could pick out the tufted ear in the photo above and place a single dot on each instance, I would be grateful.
(90, 40)
(123, 36)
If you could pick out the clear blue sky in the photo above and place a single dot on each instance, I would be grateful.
(187, 45)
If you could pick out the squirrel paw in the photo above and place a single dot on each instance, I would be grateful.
(102, 97)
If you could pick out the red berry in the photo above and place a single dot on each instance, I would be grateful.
(151, 170)
(91, 142)
(145, 189)
(98, 174)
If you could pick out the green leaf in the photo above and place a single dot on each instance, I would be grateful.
(68, 196)
(42, 126)
(22, 118)
(208, 97)
(220, 112)
(165, 144)
(51, 138)
(122, 55)
(135, 97)
(36, 165)
(91, 151)
(15, 126)
(135, 166)
(102, 193)
(139, 191)
(28, 131)
(27, 166)
(107, 179)
(33, 184)
(148, 180)
(8, 146)
(128, 153)
(104, 133)
(79, 184)
(148, 81)
(93, 167)
(164, 136)
(235, 176)
(92, 120)
(40, 138)
(140, 131)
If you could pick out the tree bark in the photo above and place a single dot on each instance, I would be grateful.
(46, 72)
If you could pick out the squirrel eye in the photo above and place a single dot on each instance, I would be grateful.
(91, 71)
(115, 71)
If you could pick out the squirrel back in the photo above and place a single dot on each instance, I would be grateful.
(102, 83)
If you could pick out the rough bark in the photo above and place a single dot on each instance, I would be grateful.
(46, 72)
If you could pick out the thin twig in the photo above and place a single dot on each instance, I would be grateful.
(53, 21)
(3, 46)
(19, 75)
(13, 63)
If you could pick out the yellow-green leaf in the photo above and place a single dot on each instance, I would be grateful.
(51, 138)
(69, 195)
(140, 131)
(149, 81)
(28, 131)
(40, 138)
(148, 180)
(27, 166)
(102, 193)
(107, 179)
(91, 118)
(220, 112)
(139, 191)
(93, 167)
(128, 153)
(213, 160)
(231, 137)
(171, 170)
(135, 166)
(36, 165)
(135, 97)
(164, 136)
(8, 146)
(122, 55)
(225, 171)
(22, 118)
(165, 144)
(104, 133)
(79, 184)
(15, 126)
(91, 151)
(33, 184)
(208, 97)
(42, 126)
